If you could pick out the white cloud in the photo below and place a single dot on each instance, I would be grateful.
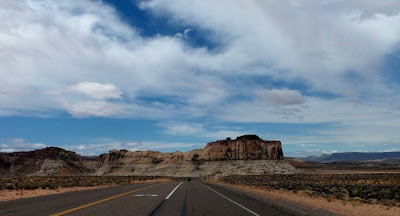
(182, 128)
(18, 144)
(52, 49)
(92, 149)
(185, 34)
(208, 94)
(97, 90)
(73, 42)
(305, 153)
(305, 40)
(223, 134)
(52, 44)
(94, 108)
(282, 97)
(104, 145)
(200, 130)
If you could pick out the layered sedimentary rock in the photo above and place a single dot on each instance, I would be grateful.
(245, 155)
(247, 147)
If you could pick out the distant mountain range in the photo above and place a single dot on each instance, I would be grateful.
(353, 157)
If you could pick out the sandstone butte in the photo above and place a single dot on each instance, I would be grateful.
(219, 156)
(247, 147)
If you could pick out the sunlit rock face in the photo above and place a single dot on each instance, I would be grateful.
(244, 155)
(247, 147)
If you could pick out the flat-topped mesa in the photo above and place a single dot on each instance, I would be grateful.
(247, 147)
(248, 137)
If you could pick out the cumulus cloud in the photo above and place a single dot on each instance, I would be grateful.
(80, 57)
(18, 144)
(97, 90)
(94, 108)
(50, 45)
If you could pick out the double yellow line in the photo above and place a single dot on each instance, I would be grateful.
(100, 201)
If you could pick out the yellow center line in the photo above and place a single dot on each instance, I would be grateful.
(100, 201)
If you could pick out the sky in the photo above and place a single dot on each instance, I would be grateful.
(321, 76)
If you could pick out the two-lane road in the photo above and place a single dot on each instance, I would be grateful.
(168, 198)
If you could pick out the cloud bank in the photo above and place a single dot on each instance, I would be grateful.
(288, 61)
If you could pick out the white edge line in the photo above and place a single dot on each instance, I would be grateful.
(172, 192)
(233, 202)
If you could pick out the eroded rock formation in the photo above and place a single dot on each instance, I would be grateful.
(48, 161)
(247, 147)
(246, 154)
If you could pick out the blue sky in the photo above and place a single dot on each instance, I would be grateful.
(90, 76)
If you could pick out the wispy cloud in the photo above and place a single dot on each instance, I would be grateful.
(315, 62)
(18, 144)
(200, 130)
(283, 97)
(104, 145)
(185, 34)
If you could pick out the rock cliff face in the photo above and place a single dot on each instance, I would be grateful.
(246, 154)
(247, 147)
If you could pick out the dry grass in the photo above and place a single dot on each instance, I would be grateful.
(17, 188)
(6, 195)
(334, 205)
(369, 188)
(32, 183)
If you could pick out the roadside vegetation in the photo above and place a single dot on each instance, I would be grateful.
(32, 183)
(370, 188)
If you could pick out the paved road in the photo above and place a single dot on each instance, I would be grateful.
(168, 198)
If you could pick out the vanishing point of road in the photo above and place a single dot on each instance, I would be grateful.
(166, 198)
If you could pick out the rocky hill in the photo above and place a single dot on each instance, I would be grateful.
(247, 147)
(246, 154)
(48, 161)
(220, 157)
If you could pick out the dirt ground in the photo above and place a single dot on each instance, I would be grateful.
(341, 207)
(6, 195)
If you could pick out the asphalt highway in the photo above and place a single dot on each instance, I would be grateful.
(167, 198)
